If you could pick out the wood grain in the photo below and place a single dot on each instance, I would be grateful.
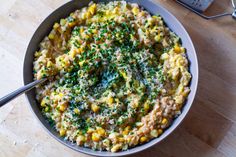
(209, 130)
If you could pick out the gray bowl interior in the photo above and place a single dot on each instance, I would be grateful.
(63, 12)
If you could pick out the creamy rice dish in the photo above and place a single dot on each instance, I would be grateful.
(118, 76)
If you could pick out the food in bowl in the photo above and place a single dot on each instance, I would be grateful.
(118, 76)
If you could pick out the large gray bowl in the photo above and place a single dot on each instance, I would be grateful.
(63, 12)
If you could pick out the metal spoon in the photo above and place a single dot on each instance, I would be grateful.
(234, 6)
(19, 91)
(196, 6)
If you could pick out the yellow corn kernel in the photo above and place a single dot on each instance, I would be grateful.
(90, 130)
(128, 127)
(81, 63)
(63, 107)
(83, 16)
(87, 15)
(46, 109)
(155, 29)
(62, 132)
(88, 120)
(110, 100)
(79, 50)
(121, 139)
(123, 74)
(108, 12)
(154, 16)
(94, 31)
(177, 49)
(37, 54)
(171, 52)
(154, 133)
(115, 11)
(179, 99)
(62, 22)
(92, 8)
(58, 125)
(77, 111)
(81, 30)
(61, 95)
(116, 147)
(146, 106)
(71, 24)
(186, 91)
(56, 25)
(96, 137)
(147, 32)
(128, 139)
(143, 139)
(158, 38)
(43, 103)
(150, 21)
(117, 35)
(182, 49)
(132, 37)
(126, 130)
(49, 64)
(135, 10)
(142, 13)
(101, 131)
(160, 131)
(80, 139)
(95, 108)
(164, 121)
(72, 53)
(72, 15)
(53, 94)
(51, 36)
(180, 89)
(86, 36)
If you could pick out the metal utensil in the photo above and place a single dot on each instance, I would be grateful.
(199, 6)
(19, 91)
(234, 6)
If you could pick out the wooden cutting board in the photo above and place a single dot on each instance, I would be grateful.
(209, 130)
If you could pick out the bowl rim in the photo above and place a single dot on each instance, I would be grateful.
(154, 141)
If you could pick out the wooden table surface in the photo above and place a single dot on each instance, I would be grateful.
(209, 130)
